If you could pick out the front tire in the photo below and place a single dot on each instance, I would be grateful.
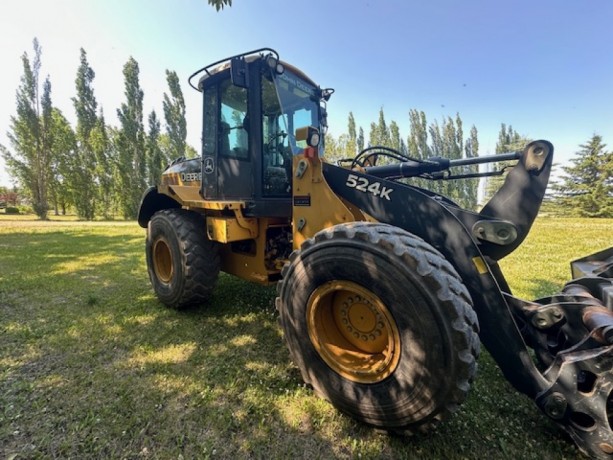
(183, 264)
(380, 324)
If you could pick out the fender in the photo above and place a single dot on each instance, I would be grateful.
(151, 202)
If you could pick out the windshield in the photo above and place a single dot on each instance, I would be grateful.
(300, 107)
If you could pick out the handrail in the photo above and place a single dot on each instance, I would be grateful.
(206, 68)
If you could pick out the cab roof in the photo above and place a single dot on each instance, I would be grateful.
(251, 56)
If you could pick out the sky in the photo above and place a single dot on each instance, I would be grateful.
(544, 67)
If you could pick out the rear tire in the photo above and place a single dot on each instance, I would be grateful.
(380, 324)
(183, 264)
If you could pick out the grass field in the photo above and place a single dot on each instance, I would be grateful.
(93, 366)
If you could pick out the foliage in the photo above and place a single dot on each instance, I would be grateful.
(360, 140)
(104, 166)
(509, 140)
(447, 141)
(83, 165)
(11, 210)
(587, 186)
(336, 147)
(174, 115)
(101, 170)
(351, 148)
(63, 147)
(424, 141)
(93, 366)
(155, 157)
(219, 4)
(131, 161)
(30, 135)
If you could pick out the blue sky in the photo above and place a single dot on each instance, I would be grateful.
(545, 67)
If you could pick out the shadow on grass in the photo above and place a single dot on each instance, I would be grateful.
(92, 365)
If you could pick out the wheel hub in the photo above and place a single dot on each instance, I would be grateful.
(162, 260)
(353, 331)
(360, 322)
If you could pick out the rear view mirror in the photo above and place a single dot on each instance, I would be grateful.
(238, 72)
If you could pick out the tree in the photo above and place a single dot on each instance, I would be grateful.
(587, 187)
(417, 143)
(471, 186)
(508, 141)
(63, 148)
(101, 147)
(379, 132)
(219, 4)
(351, 137)
(130, 144)
(453, 148)
(360, 141)
(418, 137)
(395, 140)
(30, 138)
(336, 148)
(373, 136)
(174, 115)
(155, 157)
(83, 170)
(437, 149)
(445, 140)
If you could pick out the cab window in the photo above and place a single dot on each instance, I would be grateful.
(233, 121)
(276, 154)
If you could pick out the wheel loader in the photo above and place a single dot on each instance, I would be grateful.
(385, 290)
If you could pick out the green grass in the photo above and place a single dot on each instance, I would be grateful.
(93, 366)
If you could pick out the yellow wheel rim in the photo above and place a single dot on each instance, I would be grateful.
(162, 260)
(353, 331)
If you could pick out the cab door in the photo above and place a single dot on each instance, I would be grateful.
(234, 173)
(227, 170)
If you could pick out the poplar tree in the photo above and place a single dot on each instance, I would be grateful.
(103, 153)
(83, 177)
(417, 143)
(453, 148)
(437, 149)
(418, 135)
(174, 115)
(396, 141)
(373, 136)
(30, 161)
(63, 147)
(351, 137)
(379, 132)
(130, 144)
(360, 140)
(508, 141)
(471, 186)
(154, 152)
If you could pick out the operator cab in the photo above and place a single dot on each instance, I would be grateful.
(252, 106)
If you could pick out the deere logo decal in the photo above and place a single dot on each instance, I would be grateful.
(209, 165)
(191, 177)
